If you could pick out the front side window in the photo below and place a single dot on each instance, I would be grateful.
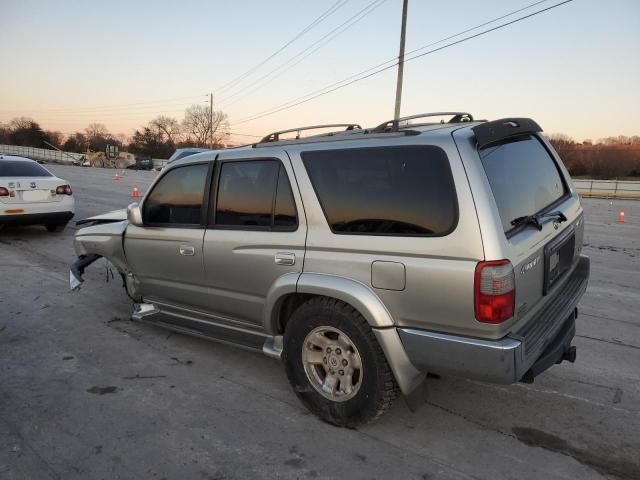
(177, 197)
(399, 191)
(255, 194)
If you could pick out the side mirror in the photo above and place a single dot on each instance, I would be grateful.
(134, 214)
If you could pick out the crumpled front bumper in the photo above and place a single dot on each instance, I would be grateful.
(77, 269)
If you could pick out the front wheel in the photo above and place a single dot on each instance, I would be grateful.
(335, 364)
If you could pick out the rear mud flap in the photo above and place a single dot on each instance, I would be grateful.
(77, 269)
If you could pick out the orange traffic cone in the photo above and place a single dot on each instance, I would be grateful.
(135, 193)
(621, 216)
(116, 177)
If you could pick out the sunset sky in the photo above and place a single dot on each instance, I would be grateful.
(575, 68)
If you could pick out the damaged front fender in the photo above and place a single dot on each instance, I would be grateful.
(104, 237)
(105, 240)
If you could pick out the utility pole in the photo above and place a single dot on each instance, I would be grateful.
(403, 32)
(211, 120)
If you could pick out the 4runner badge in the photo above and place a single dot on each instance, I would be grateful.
(528, 266)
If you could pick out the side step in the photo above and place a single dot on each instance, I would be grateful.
(149, 313)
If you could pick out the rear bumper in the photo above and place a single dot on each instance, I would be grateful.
(57, 218)
(546, 341)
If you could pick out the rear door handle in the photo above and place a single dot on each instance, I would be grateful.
(285, 258)
(187, 250)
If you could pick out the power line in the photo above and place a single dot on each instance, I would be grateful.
(113, 106)
(341, 84)
(94, 113)
(394, 59)
(332, 9)
(281, 69)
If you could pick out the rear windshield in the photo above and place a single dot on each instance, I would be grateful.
(13, 168)
(523, 176)
(399, 191)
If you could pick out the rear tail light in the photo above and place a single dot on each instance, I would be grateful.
(494, 291)
(4, 192)
(63, 190)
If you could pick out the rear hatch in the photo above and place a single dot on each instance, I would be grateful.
(541, 219)
(27, 182)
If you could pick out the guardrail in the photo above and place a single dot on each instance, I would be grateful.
(42, 154)
(623, 189)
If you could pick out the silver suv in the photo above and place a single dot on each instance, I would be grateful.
(363, 258)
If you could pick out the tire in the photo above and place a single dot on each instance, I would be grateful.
(55, 227)
(97, 163)
(121, 163)
(362, 395)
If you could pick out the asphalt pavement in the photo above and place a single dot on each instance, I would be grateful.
(87, 394)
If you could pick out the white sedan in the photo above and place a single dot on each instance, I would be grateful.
(32, 195)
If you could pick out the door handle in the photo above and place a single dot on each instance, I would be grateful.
(285, 258)
(187, 250)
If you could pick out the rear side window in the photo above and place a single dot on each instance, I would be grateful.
(13, 168)
(177, 197)
(255, 194)
(399, 191)
(523, 176)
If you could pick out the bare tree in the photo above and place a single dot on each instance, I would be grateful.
(564, 145)
(21, 123)
(168, 126)
(122, 138)
(55, 137)
(94, 130)
(97, 136)
(198, 125)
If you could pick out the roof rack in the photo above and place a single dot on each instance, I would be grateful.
(394, 125)
(275, 136)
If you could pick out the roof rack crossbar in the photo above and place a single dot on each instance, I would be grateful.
(394, 125)
(275, 136)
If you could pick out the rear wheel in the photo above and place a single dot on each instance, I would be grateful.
(121, 163)
(55, 227)
(335, 364)
(97, 162)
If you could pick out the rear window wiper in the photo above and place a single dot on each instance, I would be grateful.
(536, 219)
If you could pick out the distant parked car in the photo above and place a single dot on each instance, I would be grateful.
(32, 195)
(142, 164)
(184, 152)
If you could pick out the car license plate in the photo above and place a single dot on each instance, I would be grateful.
(558, 257)
(35, 195)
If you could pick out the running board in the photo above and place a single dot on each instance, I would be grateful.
(149, 313)
(273, 347)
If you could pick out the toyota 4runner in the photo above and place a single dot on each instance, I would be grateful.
(363, 258)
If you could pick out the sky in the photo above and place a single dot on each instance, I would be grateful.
(575, 69)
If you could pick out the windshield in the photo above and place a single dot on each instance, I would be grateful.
(21, 168)
(524, 177)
